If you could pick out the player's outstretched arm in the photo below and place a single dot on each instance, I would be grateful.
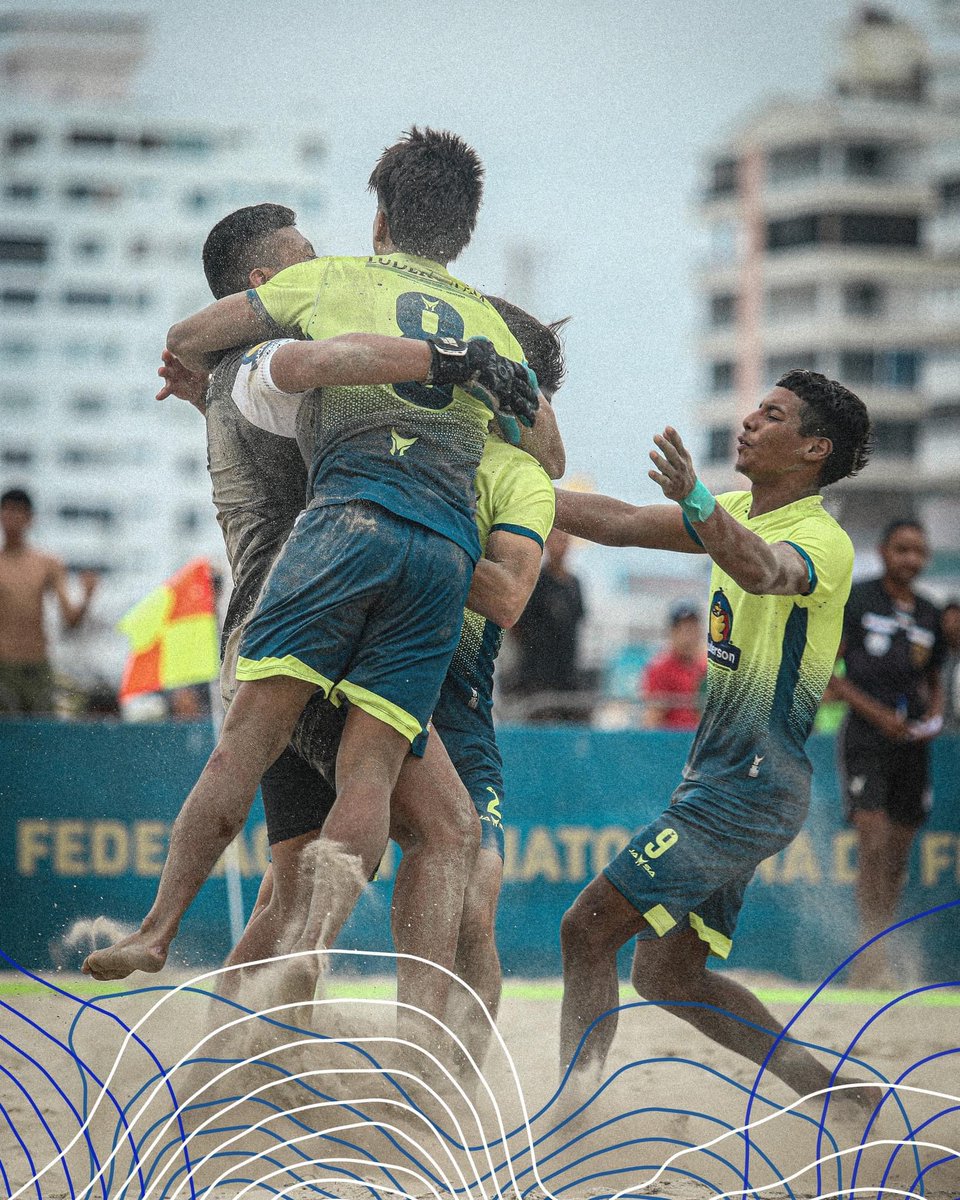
(611, 522)
(233, 321)
(757, 566)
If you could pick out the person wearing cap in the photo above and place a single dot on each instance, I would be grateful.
(671, 682)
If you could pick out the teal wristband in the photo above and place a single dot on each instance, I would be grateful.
(699, 503)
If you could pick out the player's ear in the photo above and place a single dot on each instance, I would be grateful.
(258, 276)
(818, 449)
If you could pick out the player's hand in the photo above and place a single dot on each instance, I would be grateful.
(675, 472)
(181, 382)
(892, 724)
(502, 384)
(88, 582)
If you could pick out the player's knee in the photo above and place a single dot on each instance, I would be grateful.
(583, 934)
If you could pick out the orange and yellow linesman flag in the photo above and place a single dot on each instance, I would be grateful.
(173, 634)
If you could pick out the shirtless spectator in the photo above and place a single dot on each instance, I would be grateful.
(26, 576)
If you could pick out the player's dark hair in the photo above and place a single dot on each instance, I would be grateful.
(234, 245)
(900, 523)
(429, 186)
(832, 411)
(541, 344)
(950, 605)
(17, 496)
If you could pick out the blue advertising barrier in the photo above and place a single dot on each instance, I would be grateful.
(85, 814)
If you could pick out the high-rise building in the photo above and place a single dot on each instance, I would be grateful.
(103, 210)
(834, 229)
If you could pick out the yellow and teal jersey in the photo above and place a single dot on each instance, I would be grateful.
(513, 494)
(410, 448)
(770, 657)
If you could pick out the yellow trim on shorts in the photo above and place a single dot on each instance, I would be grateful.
(384, 710)
(267, 668)
(718, 942)
(659, 919)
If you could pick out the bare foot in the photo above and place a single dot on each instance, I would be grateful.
(138, 952)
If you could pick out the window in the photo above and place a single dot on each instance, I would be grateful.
(867, 160)
(877, 229)
(18, 297)
(722, 376)
(863, 298)
(101, 194)
(950, 195)
(88, 248)
(313, 151)
(18, 402)
(197, 200)
(802, 161)
(21, 190)
(723, 309)
(895, 439)
(779, 364)
(17, 456)
(88, 298)
(190, 466)
(791, 301)
(188, 521)
(138, 248)
(719, 443)
(86, 456)
(723, 178)
(791, 231)
(880, 368)
(23, 249)
(92, 139)
(88, 404)
(77, 514)
(17, 350)
(21, 140)
(848, 229)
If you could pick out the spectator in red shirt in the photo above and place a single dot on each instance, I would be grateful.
(671, 682)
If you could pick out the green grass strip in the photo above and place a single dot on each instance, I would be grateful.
(361, 989)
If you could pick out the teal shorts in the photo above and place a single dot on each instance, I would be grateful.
(690, 867)
(366, 605)
(477, 761)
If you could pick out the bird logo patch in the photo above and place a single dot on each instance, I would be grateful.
(720, 648)
(400, 445)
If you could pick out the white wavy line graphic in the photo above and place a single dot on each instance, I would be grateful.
(371, 1164)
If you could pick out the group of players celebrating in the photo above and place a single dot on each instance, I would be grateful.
(362, 630)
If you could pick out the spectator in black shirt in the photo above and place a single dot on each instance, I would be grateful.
(893, 649)
(547, 638)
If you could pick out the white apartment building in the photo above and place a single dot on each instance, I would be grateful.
(103, 211)
(834, 230)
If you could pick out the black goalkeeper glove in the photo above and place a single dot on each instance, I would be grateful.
(478, 368)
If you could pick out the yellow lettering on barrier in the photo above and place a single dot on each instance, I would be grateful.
(607, 844)
(33, 845)
(541, 857)
(574, 839)
(936, 856)
(109, 848)
(149, 847)
(70, 848)
(511, 853)
(800, 861)
(844, 857)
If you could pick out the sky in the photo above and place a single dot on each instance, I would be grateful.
(595, 119)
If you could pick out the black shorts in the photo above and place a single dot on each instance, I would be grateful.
(887, 777)
(296, 798)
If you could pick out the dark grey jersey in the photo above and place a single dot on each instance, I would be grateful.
(258, 474)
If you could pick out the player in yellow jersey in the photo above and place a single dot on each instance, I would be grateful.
(781, 575)
(366, 599)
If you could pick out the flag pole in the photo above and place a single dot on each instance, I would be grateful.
(231, 856)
